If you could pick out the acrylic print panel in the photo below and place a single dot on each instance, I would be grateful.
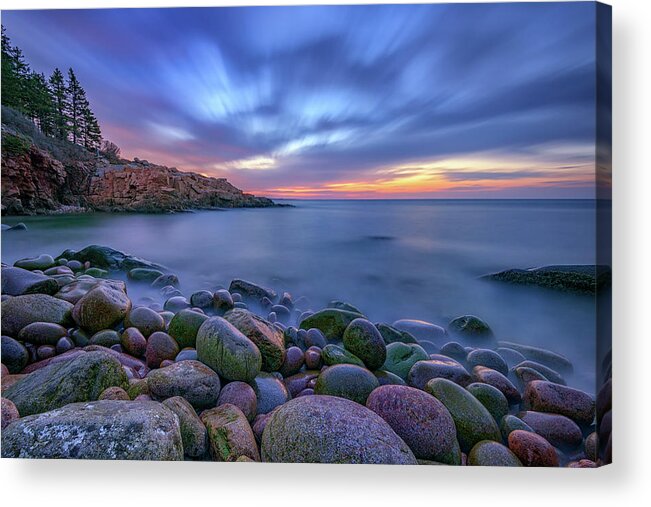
(339, 234)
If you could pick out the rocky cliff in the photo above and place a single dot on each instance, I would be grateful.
(43, 175)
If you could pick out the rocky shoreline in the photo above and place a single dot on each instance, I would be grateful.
(245, 373)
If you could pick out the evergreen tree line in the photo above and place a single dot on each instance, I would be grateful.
(57, 106)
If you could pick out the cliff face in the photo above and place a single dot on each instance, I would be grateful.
(43, 175)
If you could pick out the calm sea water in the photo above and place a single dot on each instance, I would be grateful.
(416, 259)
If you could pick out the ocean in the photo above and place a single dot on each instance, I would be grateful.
(394, 259)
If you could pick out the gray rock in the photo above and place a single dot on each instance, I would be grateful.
(18, 281)
(251, 291)
(421, 330)
(193, 432)
(192, 380)
(19, 311)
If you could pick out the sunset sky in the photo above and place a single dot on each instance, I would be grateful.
(474, 100)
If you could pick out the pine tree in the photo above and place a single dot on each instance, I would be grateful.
(15, 75)
(92, 135)
(76, 98)
(39, 106)
(59, 95)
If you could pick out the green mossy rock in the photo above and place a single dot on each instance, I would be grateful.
(146, 320)
(346, 381)
(193, 432)
(41, 262)
(511, 423)
(20, 311)
(492, 398)
(229, 434)
(192, 380)
(363, 339)
(107, 429)
(333, 354)
(402, 356)
(326, 429)
(227, 351)
(492, 454)
(184, 327)
(82, 378)
(473, 421)
(470, 327)
(331, 322)
(267, 337)
(106, 338)
(144, 274)
(391, 334)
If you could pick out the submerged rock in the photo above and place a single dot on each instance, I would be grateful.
(470, 328)
(108, 429)
(582, 279)
(421, 330)
(326, 429)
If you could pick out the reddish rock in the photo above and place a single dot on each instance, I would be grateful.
(544, 396)
(133, 342)
(114, 393)
(242, 396)
(532, 449)
(499, 381)
(558, 430)
(160, 346)
(9, 413)
(582, 463)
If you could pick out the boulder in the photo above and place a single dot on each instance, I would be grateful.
(185, 325)
(242, 396)
(489, 359)
(144, 274)
(421, 330)
(492, 398)
(544, 396)
(102, 307)
(42, 333)
(193, 432)
(20, 311)
(108, 429)
(327, 429)
(511, 423)
(9, 413)
(346, 381)
(146, 320)
(268, 338)
(192, 380)
(363, 339)
(532, 449)
(229, 434)
(473, 421)
(420, 420)
(401, 357)
(160, 347)
(440, 367)
(107, 258)
(251, 291)
(546, 372)
(18, 281)
(227, 351)
(551, 359)
(270, 392)
(14, 354)
(489, 453)
(82, 378)
(391, 334)
(331, 322)
(42, 262)
(333, 354)
(558, 430)
(470, 328)
(499, 381)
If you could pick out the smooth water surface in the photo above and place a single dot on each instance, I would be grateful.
(416, 259)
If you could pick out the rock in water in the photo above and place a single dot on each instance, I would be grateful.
(82, 378)
(227, 351)
(420, 420)
(192, 380)
(326, 429)
(251, 291)
(18, 281)
(473, 422)
(471, 328)
(331, 322)
(102, 307)
(363, 339)
(229, 434)
(19, 311)
(267, 337)
(582, 279)
(107, 258)
(108, 429)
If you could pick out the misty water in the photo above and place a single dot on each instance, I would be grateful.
(416, 259)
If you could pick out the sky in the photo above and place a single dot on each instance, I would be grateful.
(391, 101)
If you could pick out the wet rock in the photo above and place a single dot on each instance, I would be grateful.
(346, 381)
(546, 357)
(144, 274)
(331, 322)
(184, 327)
(499, 381)
(222, 347)
(20, 311)
(386, 378)
(202, 299)
(300, 381)
(107, 429)
(441, 367)
(313, 358)
(420, 420)
(133, 342)
(14, 354)
(470, 328)
(82, 378)
(96, 272)
(544, 396)
(315, 338)
(242, 396)
(333, 354)
(326, 429)
(229, 434)
(64, 345)
(548, 373)
(558, 430)
(512, 357)
(75, 290)
(192, 380)
(18, 281)
(107, 258)
(489, 359)
(511, 423)
(114, 393)
(101, 308)
(268, 339)
(270, 392)
(525, 375)
(165, 280)
(294, 360)
(421, 330)
(160, 346)
(9, 413)
(492, 398)
(251, 291)
(391, 334)
(193, 432)
(455, 351)
(186, 354)
(488, 453)
(532, 449)
(400, 357)
(581, 279)
(222, 301)
(363, 339)
(176, 303)
(473, 421)
(42, 262)
(106, 338)
(146, 320)
(45, 351)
